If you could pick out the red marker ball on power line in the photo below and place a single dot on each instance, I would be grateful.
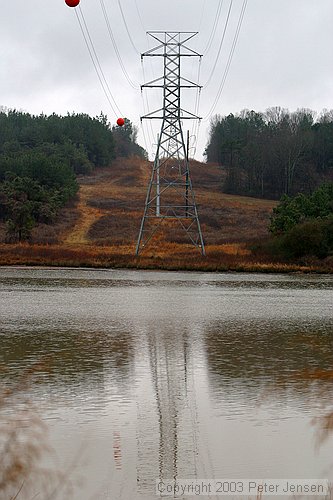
(72, 3)
(120, 122)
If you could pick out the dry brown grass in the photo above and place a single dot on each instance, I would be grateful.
(24, 444)
(111, 203)
(111, 206)
(169, 256)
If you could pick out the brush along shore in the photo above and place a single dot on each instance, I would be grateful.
(226, 257)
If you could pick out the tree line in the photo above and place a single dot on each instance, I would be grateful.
(40, 157)
(272, 153)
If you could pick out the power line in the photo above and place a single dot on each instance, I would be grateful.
(232, 51)
(216, 21)
(112, 38)
(139, 15)
(202, 14)
(97, 60)
(96, 63)
(145, 139)
(197, 100)
(221, 45)
(155, 91)
(142, 124)
(144, 94)
(126, 27)
(196, 137)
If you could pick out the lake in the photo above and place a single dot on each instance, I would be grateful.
(146, 375)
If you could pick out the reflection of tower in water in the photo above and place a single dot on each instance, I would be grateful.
(167, 419)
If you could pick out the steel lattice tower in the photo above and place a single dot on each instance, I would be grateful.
(170, 194)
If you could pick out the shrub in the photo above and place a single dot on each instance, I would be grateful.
(312, 238)
(295, 210)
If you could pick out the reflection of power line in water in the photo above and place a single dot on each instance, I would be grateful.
(169, 364)
(199, 443)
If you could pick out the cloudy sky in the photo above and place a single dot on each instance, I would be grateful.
(283, 57)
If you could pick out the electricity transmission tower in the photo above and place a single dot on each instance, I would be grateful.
(170, 194)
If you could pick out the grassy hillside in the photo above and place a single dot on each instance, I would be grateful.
(111, 206)
(102, 228)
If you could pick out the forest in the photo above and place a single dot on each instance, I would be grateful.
(272, 153)
(40, 157)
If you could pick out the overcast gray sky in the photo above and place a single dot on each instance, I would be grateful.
(283, 56)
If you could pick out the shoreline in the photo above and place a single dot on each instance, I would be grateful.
(172, 258)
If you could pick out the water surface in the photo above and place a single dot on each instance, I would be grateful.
(172, 375)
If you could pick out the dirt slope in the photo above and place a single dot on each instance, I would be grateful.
(111, 204)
